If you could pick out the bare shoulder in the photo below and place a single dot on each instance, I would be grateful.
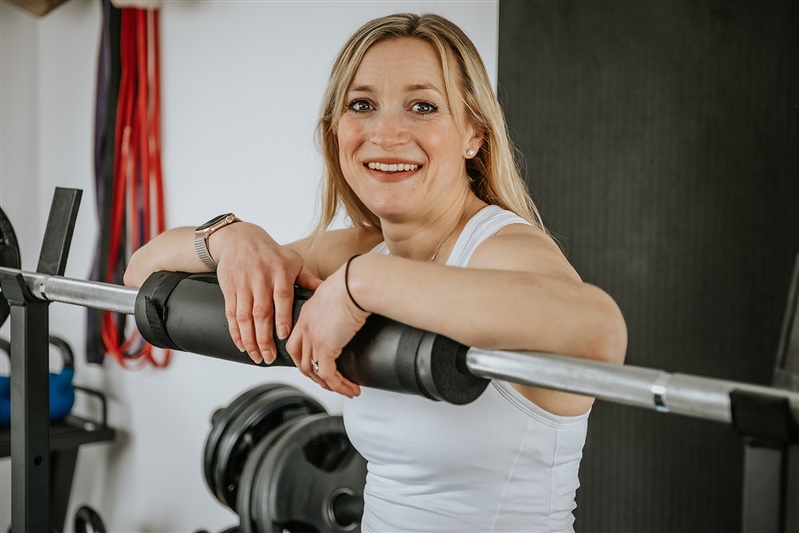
(526, 248)
(325, 253)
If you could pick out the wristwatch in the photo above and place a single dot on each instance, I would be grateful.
(203, 232)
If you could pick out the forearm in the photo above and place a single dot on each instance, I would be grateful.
(174, 250)
(493, 309)
(171, 250)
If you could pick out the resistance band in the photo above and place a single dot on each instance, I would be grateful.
(128, 176)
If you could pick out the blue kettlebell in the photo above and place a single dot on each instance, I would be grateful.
(62, 390)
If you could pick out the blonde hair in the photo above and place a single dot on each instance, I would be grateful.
(493, 173)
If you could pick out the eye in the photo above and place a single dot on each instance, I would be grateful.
(424, 108)
(359, 106)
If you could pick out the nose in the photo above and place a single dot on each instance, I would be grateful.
(389, 129)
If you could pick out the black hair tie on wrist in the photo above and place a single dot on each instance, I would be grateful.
(347, 282)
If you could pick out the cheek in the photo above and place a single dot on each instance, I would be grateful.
(442, 146)
(349, 137)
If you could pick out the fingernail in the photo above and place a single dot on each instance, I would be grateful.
(269, 357)
(282, 331)
(255, 356)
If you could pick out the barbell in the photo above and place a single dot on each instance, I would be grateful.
(186, 312)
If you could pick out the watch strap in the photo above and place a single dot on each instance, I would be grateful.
(204, 232)
(201, 247)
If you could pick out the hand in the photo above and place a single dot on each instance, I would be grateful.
(257, 277)
(328, 321)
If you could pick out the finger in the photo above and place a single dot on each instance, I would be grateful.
(307, 362)
(262, 316)
(337, 385)
(354, 387)
(307, 280)
(333, 378)
(346, 387)
(230, 315)
(294, 348)
(284, 307)
(246, 327)
(302, 354)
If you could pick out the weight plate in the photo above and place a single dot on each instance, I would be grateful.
(9, 257)
(298, 484)
(262, 415)
(245, 497)
(220, 421)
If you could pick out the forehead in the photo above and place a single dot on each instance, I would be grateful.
(414, 61)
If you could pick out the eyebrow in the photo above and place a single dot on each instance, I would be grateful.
(409, 88)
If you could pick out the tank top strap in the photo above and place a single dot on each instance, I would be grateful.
(484, 224)
(381, 248)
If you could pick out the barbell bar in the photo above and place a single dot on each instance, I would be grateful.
(695, 396)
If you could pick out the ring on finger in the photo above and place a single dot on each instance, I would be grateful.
(315, 366)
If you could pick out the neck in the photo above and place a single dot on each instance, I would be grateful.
(432, 238)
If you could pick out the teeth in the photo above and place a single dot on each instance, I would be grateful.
(393, 167)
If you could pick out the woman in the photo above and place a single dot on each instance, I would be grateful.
(444, 238)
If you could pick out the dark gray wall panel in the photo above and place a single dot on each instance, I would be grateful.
(661, 143)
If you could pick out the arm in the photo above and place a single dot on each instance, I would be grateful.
(257, 275)
(171, 250)
(519, 293)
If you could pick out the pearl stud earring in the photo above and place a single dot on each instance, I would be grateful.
(470, 152)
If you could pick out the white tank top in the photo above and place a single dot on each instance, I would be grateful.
(500, 463)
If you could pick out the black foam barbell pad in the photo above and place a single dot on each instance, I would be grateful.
(388, 355)
(194, 318)
(384, 354)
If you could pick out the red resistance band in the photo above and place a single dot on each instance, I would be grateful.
(137, 180)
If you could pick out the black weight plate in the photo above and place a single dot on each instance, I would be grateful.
(246, 497)
(9, 257)
(263, 414)
(219, 423)
(310, 464)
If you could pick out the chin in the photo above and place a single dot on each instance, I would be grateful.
(390, 210)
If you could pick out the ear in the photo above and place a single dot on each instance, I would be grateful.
(475, 135)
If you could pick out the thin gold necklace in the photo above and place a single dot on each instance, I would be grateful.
(441, 243)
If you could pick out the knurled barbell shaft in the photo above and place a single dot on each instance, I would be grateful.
(701, 397)
(94, 294)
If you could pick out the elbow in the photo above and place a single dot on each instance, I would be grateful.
(130, 279)
(612, 346)
(136, 272)
(608, 343)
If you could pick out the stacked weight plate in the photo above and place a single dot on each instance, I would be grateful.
(282, 463)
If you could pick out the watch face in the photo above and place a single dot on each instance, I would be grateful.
(213, 221)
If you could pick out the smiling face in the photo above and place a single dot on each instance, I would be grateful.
(400, 147)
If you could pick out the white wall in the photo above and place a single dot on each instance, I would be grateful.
(242, 83)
